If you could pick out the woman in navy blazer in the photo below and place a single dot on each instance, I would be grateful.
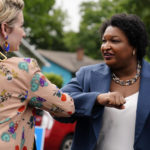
(114, 96)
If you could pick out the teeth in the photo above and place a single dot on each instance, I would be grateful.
(107, 54)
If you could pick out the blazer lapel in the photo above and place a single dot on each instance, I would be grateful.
(100, 79)
(143, 107)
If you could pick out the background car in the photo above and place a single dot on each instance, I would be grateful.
(57, 136)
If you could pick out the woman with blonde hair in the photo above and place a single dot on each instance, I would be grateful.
(23, 87)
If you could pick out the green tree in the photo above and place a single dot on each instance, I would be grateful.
(71, 41)
(44, 24)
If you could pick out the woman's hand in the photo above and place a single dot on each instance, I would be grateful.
(111, 99)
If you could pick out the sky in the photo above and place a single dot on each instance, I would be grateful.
(72, 9)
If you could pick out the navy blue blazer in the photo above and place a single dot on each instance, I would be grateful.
(91, 81)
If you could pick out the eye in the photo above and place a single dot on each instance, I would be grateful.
(103, 40)
(115, 41)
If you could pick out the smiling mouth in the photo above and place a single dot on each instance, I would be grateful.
(108, 56)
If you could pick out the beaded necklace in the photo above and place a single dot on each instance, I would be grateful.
(127, 82)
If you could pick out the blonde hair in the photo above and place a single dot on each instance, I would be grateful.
(9, 10)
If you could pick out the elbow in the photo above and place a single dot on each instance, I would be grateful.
(70, 109)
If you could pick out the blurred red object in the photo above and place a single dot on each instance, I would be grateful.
(58, 136)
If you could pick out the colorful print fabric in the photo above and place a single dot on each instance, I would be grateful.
(23, 88)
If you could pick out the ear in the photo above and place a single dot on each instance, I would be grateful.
(4, 30)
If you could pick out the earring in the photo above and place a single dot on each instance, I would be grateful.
(6, 46)
(133, 53)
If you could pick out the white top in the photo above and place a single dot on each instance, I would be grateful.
(118, 126)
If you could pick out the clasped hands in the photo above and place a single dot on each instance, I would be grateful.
(112, 99)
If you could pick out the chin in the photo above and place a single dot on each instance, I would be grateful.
(111, 64)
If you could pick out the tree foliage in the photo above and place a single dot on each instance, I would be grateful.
(44, 24)
(71, 41)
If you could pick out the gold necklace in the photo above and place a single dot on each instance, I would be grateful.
(127, 82)
(2, 55)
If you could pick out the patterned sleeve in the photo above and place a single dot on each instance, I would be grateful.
(45, 95)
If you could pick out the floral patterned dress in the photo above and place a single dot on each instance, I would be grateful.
(22, 88)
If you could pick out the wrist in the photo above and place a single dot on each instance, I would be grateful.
(98, 99)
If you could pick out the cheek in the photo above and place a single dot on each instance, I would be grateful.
(124, 54)
(119, 49)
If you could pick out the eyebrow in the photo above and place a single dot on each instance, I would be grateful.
(115, 36)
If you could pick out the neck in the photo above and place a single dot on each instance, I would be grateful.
(127, 71)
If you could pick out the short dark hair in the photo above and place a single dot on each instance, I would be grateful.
(133, 28)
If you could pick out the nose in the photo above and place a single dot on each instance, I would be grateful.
(106, 46)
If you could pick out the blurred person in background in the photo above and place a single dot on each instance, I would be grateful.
(23, 86)
(112, 99)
